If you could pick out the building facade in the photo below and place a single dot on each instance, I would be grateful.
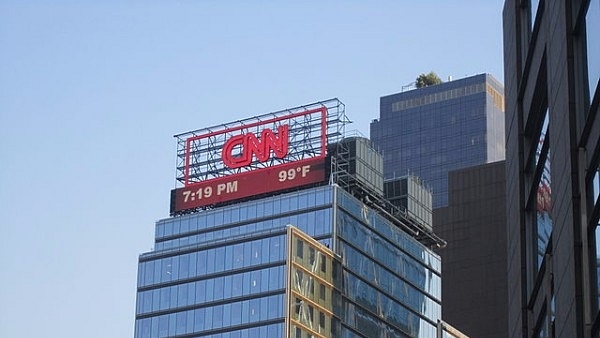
(474, 269)
(430, 131)
(552, 67)
(225, 272)
(319, 260)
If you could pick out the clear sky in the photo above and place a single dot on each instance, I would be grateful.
(91, 94)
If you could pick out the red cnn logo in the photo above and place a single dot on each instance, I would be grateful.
(250, 145)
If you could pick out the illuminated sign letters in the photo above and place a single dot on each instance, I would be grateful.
(248, 144)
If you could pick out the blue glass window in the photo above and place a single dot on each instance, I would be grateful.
(384, 251)
(398, 287)
(215, 289)
(314, 223)
(533, 9)
(386, 230)
(592, 26)
(594, 202)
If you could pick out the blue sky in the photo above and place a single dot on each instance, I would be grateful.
(91, 94)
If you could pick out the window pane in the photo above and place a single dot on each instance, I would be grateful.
(598, 266)
(544, 219)
(163, 326)
(299, 248)
(544, 200)
(534, 7)
(595, 186)
(592, 24)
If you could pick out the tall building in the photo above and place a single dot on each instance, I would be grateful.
(430, 131)
(552, 72)
(474, 269)
(279, 229)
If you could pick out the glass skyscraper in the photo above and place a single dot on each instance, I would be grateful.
(279, 228)
(315, 262)
(430, 131)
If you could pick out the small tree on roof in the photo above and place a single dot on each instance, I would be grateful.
(426, 80)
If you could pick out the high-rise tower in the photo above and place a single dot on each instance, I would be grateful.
(279, 229)
(430, 131)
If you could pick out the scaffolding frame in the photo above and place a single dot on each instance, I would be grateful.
(311, 129)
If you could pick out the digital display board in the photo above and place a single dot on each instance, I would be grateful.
(269, 153)
(251, 183)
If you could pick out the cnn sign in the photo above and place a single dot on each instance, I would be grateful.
(241, 150)
(255, 144)
(253, 157)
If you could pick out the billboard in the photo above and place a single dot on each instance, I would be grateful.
(260, 155)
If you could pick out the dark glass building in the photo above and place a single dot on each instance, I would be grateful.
(474, 269)
(429, 131)
(552, 72)
(324, 260)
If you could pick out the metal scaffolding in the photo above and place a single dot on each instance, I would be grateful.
(199, 152)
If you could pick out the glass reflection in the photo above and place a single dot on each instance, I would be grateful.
(216, 317)
(314, 223)
(592, 26)
(386, 230)
(533, 8)
(385, 253)
(204, 262)
(544, 197)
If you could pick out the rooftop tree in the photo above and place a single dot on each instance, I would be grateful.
(426, 80)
